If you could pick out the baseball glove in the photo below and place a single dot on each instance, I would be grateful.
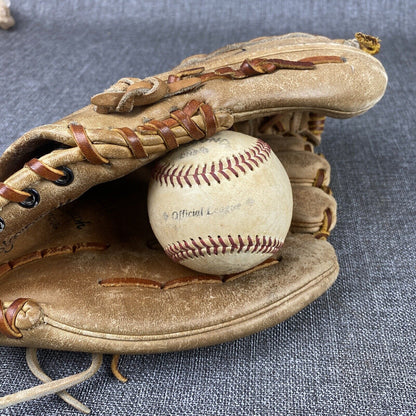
(80, 268)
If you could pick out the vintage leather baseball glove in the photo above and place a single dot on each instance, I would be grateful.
(79, 266)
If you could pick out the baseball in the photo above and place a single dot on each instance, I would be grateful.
(220, 205)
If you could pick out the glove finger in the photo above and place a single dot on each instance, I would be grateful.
(305, 168)
(314, 211)
(253, 80)
(297, 143)
(305, 126)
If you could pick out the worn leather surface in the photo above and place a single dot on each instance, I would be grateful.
(88, 262)
(317, 90)
(106, 236)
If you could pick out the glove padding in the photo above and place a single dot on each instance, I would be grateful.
(89, 274)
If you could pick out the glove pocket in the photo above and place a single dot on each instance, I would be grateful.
(103, 301)
(91, 277)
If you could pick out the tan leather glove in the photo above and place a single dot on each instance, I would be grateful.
(80, 268)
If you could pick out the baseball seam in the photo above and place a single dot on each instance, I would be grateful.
(170, 174)
(191, 248)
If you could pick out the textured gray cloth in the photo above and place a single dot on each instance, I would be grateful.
(352, 352)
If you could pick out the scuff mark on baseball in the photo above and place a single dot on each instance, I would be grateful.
(220, 205)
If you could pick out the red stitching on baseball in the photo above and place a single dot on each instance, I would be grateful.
(214, 244)
(207, 247)
(167, 174)
(199, 248)
(174, 170)
(186, 177)
(233, 244)
(190, 249)
(256, 246)
(230, 168)
(250, 244)
(178, 178)
(241, 244)
(244, 161)
(238, 165)
(223, 244)
(253, 157)
(195, 176)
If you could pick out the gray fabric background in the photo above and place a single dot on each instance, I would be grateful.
(352, 352)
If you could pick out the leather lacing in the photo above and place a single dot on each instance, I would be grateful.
(130, 92)
(8, 318)
(60, 386)
(50, 386)
(316, 123)
(62, 176)
(89, 151)
(324, 231)
(164, 128)
(41, 169)
(183, 281)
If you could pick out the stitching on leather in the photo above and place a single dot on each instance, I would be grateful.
(48, 252)
(192, 249)
(234, 165)
(182, 281)
(232, 321)
(111, 282)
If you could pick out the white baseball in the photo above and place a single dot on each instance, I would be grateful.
(220, 205)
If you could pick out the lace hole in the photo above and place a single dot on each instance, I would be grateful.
(2, 224)
(67, 178)
(32, 200)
